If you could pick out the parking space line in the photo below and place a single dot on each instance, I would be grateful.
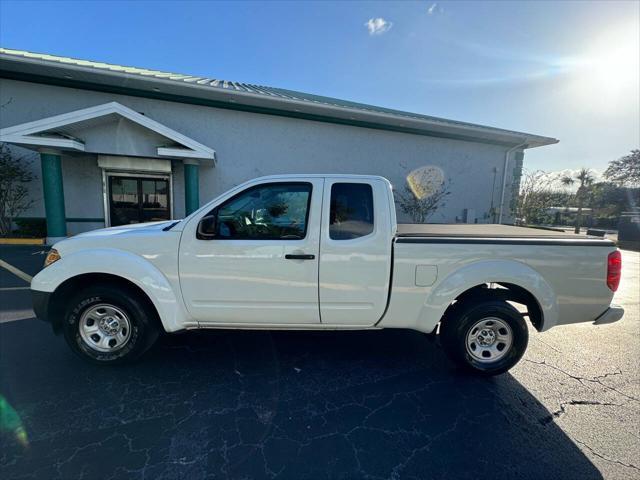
(10, 289)
(15, 315)
(16, 271)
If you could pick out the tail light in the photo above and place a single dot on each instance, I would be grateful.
(614, 270)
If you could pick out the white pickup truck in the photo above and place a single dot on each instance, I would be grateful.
(323, 252)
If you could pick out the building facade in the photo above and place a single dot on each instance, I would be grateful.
(114, 145)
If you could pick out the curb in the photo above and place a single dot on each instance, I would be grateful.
(21, 241)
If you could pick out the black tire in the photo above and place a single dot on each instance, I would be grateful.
(140, 316)
(459, 322)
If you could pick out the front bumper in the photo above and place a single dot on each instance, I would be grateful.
(41, 304)
(611, 314)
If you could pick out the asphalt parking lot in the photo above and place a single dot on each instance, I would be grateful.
(383, 404)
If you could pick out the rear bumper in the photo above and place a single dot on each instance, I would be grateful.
(612, 314)
(41, 304)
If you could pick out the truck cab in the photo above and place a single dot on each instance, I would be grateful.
(291, 251)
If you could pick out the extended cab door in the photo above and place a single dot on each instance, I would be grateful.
(253, 259)
(355, 250)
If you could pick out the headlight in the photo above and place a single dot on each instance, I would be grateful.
(52, 256)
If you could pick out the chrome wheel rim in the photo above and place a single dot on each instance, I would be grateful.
(104, 328)
(489, 340)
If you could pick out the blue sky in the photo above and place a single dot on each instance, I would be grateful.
(563, 69)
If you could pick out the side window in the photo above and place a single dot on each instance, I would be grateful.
(274, 211)
(351, 213)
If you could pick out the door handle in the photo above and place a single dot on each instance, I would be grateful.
(303, 256)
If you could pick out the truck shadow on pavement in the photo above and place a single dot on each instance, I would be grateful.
(229, 404)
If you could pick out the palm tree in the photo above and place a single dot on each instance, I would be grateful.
(586, 179)
(567, 181)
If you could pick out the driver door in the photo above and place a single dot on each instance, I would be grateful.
(254, 257)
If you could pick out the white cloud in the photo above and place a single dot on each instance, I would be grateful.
(378, 26)
(434, 9)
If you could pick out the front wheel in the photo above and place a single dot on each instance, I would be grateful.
(486, 337)
(106, 324)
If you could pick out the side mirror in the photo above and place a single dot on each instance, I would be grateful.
(207, 228)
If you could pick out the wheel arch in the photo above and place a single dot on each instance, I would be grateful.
(507, 292)
(517, 282)
(59, 297)
(114, 265)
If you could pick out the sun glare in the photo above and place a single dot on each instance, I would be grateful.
(614, 61)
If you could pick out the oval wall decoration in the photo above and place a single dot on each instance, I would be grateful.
(424, 181)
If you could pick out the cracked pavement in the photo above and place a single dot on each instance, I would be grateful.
(378, 405)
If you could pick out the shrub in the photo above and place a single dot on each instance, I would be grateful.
(31, 227)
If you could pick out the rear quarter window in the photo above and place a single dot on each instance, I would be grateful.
(351, 211)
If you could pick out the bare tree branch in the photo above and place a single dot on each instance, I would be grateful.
(420, 209)
(14, 193)
(537, 195)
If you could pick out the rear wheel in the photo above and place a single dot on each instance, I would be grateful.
(107, 324)
(487, 337)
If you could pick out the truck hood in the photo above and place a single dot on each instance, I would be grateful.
(134, 228)
(141, 238)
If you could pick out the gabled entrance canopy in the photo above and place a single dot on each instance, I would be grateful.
(64, 132)
(109, 129)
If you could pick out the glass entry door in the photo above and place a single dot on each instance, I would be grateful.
(138, 199)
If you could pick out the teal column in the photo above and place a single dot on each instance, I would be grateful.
(53, 194)
(191, 188)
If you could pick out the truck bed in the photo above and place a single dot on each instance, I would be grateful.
(477, 230)
(410, 233)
